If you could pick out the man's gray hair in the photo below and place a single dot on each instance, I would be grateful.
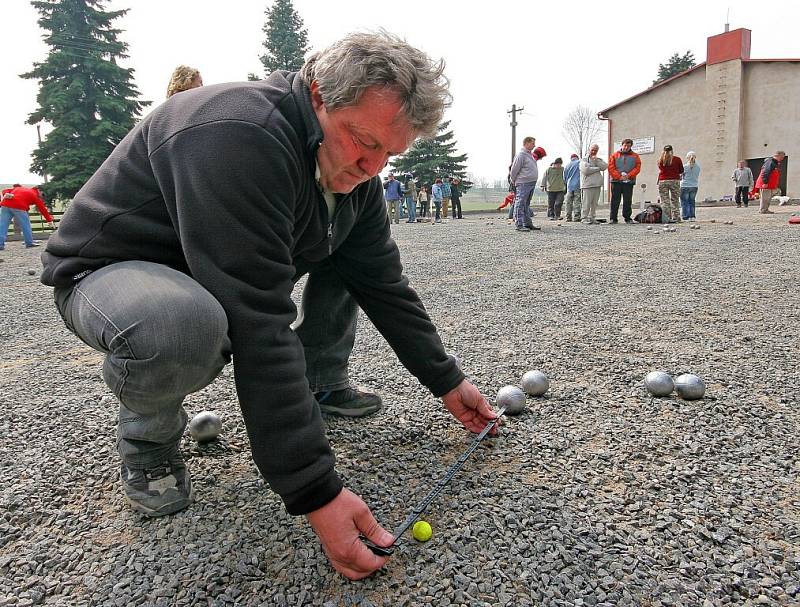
(361, 60)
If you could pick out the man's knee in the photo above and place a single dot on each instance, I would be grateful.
(190, 329)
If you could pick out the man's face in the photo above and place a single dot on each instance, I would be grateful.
(741, 164)
(530, 145)
(626, 147)
(593, 150)
(780, 157)
(359, 139)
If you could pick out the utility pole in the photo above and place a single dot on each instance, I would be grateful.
(513, 111)
(39, 136)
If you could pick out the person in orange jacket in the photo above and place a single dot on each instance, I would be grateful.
(15, 203)
(623, 166)
(768, 178)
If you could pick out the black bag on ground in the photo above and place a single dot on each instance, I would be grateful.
(651, 214)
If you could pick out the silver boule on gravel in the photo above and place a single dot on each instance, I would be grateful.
(205, 426)
(456, 360)
(31, 272)
(512, 398)
(690, 387)
(659, 383)
(535, 383)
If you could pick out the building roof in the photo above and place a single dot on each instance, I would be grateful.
(681, 75)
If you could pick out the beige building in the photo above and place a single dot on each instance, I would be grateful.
(731, 107)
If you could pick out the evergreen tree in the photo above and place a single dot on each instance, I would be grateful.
(429, 159)
(90, 101)
(675, 65)
(287, 40)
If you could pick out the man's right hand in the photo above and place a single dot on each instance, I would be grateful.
(338, 524)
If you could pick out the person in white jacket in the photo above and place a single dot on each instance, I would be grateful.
(592, 169)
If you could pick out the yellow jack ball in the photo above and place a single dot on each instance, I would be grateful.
(422, 531)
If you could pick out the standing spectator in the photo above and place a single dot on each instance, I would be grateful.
(183, 79)
(15, 203)
(393, 194)
(592, 169)
(553, 183)
(524, 174)
(743, 180)
(670, 171)
(455, 197)
(623, 166)
(690, 181)
(572, 175)
(438, 195)
(768, 179)
(423, 200)
(447, 192)
(410, 196)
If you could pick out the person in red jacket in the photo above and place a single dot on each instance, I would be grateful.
(670, 171)
(768, 179)
(623, 166)
(14, 205)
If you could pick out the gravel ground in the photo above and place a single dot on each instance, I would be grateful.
(596, 495)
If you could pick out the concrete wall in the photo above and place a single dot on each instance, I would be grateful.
(723, 112)
(771, 118)
(676, 114)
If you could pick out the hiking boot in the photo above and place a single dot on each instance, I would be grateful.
(33, 244)
(162, 489)
(522, 229)
(629, 221)
(348, 402)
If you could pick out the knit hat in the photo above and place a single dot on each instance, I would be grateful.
(539, 153)
(573, 157)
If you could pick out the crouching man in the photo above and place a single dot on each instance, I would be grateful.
(183, 248)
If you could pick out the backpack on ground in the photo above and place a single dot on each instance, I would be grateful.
(651, 214)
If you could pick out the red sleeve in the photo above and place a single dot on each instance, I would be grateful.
(612, 166)
(39, 202)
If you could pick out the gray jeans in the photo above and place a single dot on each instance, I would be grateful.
(165, 336)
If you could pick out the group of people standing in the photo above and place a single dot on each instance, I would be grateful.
(403, 198)
(576, 187)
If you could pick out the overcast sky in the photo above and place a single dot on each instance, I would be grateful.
(548, 57)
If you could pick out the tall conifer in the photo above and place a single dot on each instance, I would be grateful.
(287, 41)
(428, 159)
(90, 101)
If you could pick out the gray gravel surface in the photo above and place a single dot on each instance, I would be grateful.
(596, 495)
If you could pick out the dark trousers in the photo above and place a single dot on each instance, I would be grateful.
(741, 194)
(624, 191)
(456, 202)
(555, 201)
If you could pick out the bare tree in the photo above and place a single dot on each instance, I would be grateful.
(581, 128)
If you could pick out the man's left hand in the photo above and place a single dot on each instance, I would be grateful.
(469, 406)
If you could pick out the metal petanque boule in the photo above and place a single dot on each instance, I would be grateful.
(512, 398)
(31, 272)
(456, 360)
(205, 426)
(690, 386)
(535, 383)
(659, 383)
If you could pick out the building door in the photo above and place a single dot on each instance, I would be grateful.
(755, 165)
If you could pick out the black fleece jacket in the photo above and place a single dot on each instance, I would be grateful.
(219, 183)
